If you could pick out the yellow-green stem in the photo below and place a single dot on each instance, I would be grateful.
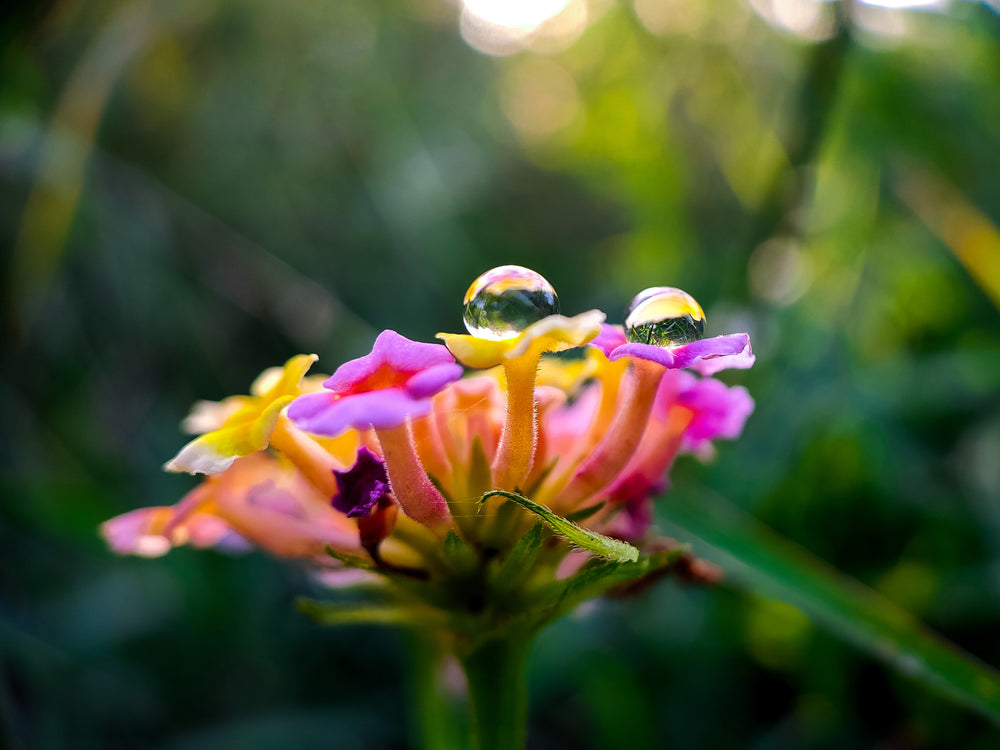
(517, 442)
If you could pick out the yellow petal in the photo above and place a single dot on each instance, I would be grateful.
(566, 375)
(557, 333)
(551, 334)
(206, 416)
(215, 451)
(291, 376)
(475, 352)
(247, 421)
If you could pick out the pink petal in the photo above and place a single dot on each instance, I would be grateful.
(394, 359)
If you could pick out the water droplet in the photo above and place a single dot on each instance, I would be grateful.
(664, 316)
(505, 300)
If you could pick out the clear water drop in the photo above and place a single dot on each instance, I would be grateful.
(505, 300)
(664, 316)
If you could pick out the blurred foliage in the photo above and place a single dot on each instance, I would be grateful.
(193, 191)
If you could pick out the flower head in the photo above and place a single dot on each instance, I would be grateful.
(400, 466)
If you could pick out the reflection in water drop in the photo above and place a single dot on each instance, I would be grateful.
(664, 316)
(505, 300)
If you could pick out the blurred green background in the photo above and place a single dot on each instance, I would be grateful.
(194, 190)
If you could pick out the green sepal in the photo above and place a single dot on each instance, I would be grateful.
(505, 523)
(352, 561)
(542, 476)
(480, 473)
(458, 556)
(329, 613)
(519, 561)
(600, 578)
(440, 488)
(597, 544)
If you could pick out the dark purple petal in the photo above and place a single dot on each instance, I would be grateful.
(362, 486)
(707, 356)
(394, 359)
(326, 414)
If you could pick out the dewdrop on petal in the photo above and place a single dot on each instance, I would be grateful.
(665, 317)
(505, 300)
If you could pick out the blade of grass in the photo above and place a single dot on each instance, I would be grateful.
(757, 559)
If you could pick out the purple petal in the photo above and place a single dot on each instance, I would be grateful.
(393, 360)
(609, 339)
(425, 384)
(309, 407)
(362, 486)
(707, 356)
(325, 414)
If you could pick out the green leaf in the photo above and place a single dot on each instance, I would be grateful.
(520, 559)
(598, 544)
(599, 578)
(757, 559)
(349, 613)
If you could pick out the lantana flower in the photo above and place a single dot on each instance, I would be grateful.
(471, 496)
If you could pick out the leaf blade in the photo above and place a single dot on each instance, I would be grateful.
(759, 560)
(598, 544)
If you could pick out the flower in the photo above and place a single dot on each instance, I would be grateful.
(472, 489)
(707, 356)
(382, 389)
(240, 425)
(520, 356)
(261, 500)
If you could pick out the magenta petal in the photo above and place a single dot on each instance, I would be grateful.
(707, 356)
(324, 414)
(394, 353)
(425, 384)
(731, 352)
(609, 339)
(719, 411)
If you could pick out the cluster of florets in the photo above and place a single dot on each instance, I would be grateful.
(406, 464)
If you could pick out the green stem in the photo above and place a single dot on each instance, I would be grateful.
(438, 726)
(498, 692)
